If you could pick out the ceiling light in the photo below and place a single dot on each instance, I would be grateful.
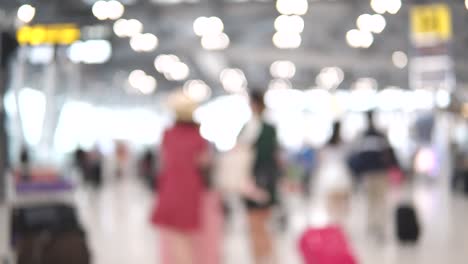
(178, 71)
(378, 23)
(289, 24)
(379, 6)
(163, 63)
(393, 6)
(279, 84)
(26, 13)
(233, 80)
(203, 26)
(367, 39)
(100, 10)
(400, 59)
(90, 51)
(353, 38)
(144, 83)
(197, 90)
(148, 86)
(292, 7)
(199, 25)
(115, 9)
(120, 28)
(283, 69)
(364, 22)
(371, 23)
(466, 4)
(287, 40)
(144, 42)
(215, 42)
(135, 77)
(215, 26)
(330, 78)
(134, 27)
(359, 39)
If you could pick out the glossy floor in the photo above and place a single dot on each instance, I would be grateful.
(116, 218)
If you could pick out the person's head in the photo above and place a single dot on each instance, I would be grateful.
(182, 105)
(148, 154)
(335, 138)
(79, 153)
(24, 155)
(257, 103)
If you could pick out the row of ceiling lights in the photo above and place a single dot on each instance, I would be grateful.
(168, 65)
(211, 31)
(289, 25)
(111, 10)
(197, 90)
(283, 71)
(233, 80)
(173, 69)
(367, 24)
(328, 78)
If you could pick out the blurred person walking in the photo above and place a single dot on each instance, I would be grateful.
(25, 165)
(95, 169)
(333, 184)
(261, 137)
(372, 161)
(119, 166)
(147, 168)
(184, 213)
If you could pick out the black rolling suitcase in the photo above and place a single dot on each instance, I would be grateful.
(49, 234)
(407, 224)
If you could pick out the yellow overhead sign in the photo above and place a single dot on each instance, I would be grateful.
(433, 20)
(58, 34)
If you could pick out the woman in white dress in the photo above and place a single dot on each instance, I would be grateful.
(333, 184)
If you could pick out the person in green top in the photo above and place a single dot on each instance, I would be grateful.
(261, 136)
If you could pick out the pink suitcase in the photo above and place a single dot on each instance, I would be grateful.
(326, 245)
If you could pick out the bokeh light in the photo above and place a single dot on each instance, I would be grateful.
(287, 40)
(144, 42)
(400, 59)
(215, 42)
(233, 80)
(359, 39)
(283, 69)
(26, 13)
(197, 90)
(292, 7)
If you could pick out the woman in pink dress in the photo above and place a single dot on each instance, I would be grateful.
(179, 212)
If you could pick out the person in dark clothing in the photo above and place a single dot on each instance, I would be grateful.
(372, 161)
(79, 159)
(147, 168)
(261, 136)
(25, 170)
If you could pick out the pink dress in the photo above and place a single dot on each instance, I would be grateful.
(181, 189)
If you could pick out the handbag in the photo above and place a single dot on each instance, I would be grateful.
(234, 170)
